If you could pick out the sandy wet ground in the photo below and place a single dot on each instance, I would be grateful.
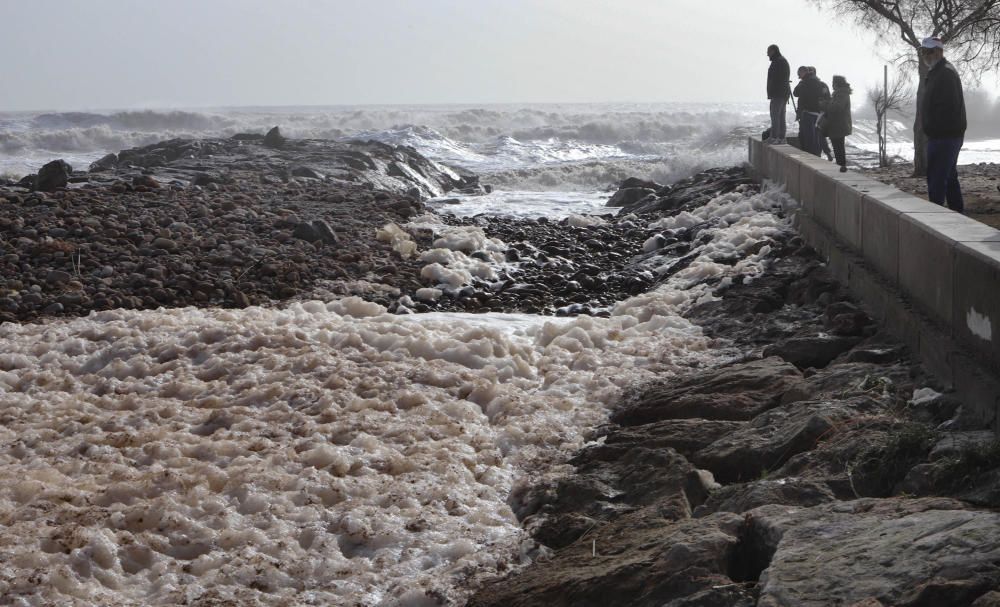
(980, 183)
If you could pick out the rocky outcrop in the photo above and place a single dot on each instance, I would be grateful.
(274, 138)
(53, 175)
(637, 196)
(394, 169)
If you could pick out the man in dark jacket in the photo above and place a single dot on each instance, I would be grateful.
(942, 111)
(777, 92)
(813, 96)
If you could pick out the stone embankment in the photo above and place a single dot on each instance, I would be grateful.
(824, 468)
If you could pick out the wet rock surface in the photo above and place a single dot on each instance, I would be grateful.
(833, 472)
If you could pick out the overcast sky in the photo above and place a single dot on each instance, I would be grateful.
(109, 54)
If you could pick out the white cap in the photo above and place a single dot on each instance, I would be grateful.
(932, 42)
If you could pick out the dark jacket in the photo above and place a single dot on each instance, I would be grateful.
(813, 94)
(837, 122)
(942, 109)
(777, 78)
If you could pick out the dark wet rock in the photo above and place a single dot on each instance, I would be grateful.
(639, 560)
(862, 457)
(742, 497)
(813, 351)
(990, 599)
(53, 175)
(684, 435)
(686, 193)
(897, 551)
(274, 138)
(736, 392)
(846, 318)
(629, 196)
(635, 182)
(325, 232)
(611, 482)
(106, 163)
(894, 383)
(304, 171)
(772, 438)
(146, 181)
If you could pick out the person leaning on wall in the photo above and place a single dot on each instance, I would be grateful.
(837, 124)
(942, 114)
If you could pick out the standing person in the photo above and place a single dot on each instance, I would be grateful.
(813, 96)
(942, 110)
(838, 124)
(778, 92)
(824, 145)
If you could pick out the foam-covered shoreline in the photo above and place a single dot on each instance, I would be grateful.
(318, 451)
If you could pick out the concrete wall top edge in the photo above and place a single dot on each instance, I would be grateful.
(901, 202)
(954, 227)
(987, 251)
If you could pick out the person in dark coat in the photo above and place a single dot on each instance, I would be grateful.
(813, 96)
(942, 112)
(824, 143)
(837, 122)
(778, 92)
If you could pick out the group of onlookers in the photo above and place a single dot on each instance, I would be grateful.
(822, 114)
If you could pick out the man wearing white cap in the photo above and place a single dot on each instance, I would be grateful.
(943, 120)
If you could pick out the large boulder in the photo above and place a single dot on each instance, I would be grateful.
(639, 560)
(274, 138)
(53, 176)
(736, 392)
(927, 552)
(629, 196)
(607, 485)
(816, 351)
(106, 163)
(770, 439)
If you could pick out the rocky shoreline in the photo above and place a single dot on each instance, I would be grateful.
(823, 467)
(839, 473)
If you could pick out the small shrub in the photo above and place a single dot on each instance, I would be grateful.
(879, 468)
(961, 471)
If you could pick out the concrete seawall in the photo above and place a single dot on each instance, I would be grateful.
(929, 275)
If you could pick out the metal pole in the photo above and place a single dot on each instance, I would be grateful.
(885, 118)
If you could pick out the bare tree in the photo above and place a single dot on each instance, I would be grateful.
(969, 29)
(900, 94)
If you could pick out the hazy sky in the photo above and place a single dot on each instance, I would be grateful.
(104, 54)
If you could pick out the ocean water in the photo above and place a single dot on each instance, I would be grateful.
(327, 452)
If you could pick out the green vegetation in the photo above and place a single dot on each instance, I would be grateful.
(960, 471)
(878, 469)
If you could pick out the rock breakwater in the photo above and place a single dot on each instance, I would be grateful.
(823, 467)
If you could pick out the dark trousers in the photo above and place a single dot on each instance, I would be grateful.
(778, 117)
(808, 135)
(839, 151)
(942, 172)
(824, 145)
